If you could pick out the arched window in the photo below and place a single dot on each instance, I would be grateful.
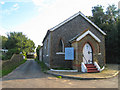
(61, 46)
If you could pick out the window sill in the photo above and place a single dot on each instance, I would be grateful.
(99, 53)
(60, 53)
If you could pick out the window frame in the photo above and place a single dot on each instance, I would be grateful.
(63, 47)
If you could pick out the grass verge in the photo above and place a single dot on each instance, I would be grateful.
(9, 68)
(44, 68)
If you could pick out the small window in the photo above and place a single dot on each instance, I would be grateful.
(61, 46)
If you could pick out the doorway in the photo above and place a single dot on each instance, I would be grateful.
(87, 54)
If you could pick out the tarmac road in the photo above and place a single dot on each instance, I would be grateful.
(30, 69)
(29, 75)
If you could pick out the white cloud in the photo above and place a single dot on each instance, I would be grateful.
(43, 4)
(3, 31)
(2, 2)
(53, 13)
(38, 2)
(15, 5)
(10, 10)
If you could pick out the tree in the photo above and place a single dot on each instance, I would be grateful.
(37, 51)
(4, 40)
(17, 42)
(111, 13)
(118, 28)
(98, 15)
(109, 22)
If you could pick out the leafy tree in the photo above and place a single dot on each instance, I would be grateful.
(111, 13)
(37, 51)
(118, 28)
(17, 42)
(98, 15)
(109, 22)
(4, 40)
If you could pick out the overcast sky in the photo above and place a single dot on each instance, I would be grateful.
(35, 17)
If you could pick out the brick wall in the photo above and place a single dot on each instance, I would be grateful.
(66, 32)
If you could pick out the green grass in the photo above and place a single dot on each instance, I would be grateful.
(59, 76)
(9, 68)
(44, 68)
(0, 73)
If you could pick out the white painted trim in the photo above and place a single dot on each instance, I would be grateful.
(97, 66)
(47, 55)
(70, 18)
(99, 53)
(63, 70)
(60, 53)
(86, 33)
(83, 67)
(102, 68)
(92, 23)
(75, 15)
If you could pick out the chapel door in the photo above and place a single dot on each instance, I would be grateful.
(87, 54)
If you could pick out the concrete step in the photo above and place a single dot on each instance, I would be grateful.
(92, 71)
(91, 68)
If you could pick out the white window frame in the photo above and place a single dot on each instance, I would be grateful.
(62, 49)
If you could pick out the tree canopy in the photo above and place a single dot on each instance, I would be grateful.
(37, 51)
(4, 40)
(109, 22)
(16, 42)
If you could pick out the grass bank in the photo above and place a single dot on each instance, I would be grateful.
(10, 67)
(44, 68)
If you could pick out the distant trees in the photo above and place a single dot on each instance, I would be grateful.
(16, 42)
(37, 51)
(109, 22)
(4, 40)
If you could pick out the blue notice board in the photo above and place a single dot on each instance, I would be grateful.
(69, 53)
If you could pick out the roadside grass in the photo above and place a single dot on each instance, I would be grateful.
(0, 73)
(44, 68)
(9, 68)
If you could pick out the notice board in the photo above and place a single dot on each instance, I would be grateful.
(69, 53)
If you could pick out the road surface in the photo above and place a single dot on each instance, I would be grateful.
(29, 75)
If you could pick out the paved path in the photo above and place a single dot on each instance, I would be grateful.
(29, 75)
(30, 69)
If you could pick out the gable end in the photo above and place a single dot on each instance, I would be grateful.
(75, 15)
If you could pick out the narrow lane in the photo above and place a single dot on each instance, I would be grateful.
(30, 69)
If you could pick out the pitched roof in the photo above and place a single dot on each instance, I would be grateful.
(70, 18)
(75, 15)
(46, 35)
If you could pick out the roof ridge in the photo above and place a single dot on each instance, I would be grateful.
(73, 16)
